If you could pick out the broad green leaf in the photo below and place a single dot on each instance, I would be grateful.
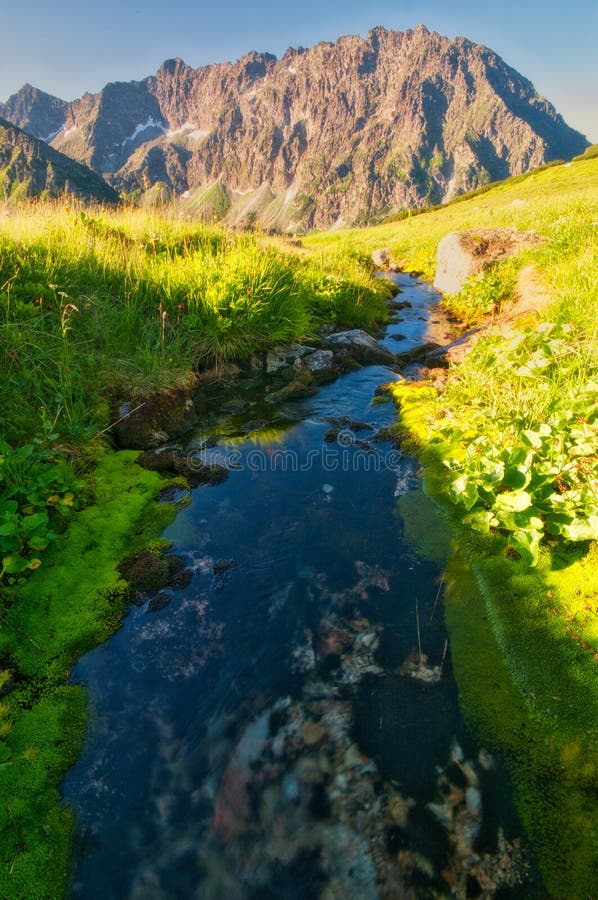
(464, 491)
(527, 544)
(532, 437)
(9, 528)
(514, 501)
(15, 564)
(582, 529)
(516, 477)
(482, 520)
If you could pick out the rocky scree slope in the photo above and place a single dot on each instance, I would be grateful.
(30, 168)
(340, 133)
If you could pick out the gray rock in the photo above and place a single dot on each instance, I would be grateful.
(280, 357)
(462, 254)
(473, 800)
(319, 361)
(360, 346)
(453, 352)
(381, 258)
(162, 416)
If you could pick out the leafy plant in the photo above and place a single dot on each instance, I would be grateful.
(532, 480)
(37, 488)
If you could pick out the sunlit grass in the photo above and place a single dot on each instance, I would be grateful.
(94, 302)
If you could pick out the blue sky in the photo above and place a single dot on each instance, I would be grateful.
(68, 47)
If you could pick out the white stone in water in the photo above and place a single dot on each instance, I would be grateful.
(290, 787)
(457, 753)
(470, 773)
(486, 760)
(443, 814)
(370, 641)
(473, 801)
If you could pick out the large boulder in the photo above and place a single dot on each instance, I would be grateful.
(381, 258)
(151, 422)
(462, 254)
(359, 346)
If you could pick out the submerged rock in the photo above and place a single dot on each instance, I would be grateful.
(147, 571)
(417, 666)
(295, 390)
(313, 734)
(175, 461)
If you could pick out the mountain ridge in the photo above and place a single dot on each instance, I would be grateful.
(31, 168)
(339, 133)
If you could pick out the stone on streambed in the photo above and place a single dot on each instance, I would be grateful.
(462, 254)
(313, 734)
(296, 390)
(417, 666)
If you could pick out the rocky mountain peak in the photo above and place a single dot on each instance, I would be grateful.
(342, 132)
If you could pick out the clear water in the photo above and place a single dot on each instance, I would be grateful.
(260, 736)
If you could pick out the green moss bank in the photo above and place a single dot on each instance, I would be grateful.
(527, 679)
(74, 602)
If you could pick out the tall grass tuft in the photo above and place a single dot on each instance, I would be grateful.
(129, 301)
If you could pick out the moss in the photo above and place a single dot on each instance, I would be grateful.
(71, 604)
(524, 662)
(553, 762)
(423, 527)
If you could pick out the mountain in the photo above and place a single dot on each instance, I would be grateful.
(30, 168)
(343, 132)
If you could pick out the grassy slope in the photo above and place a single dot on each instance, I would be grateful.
(126, 302)
(524, 640)
(535, 201)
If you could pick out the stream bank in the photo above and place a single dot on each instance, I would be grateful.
(522, 672)
(74, 602)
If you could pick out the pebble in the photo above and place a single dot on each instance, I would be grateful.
(290, 787)
(313, 733)
(473, 801)
(470, 774)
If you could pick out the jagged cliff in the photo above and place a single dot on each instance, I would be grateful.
(341, 132)
(30, 168)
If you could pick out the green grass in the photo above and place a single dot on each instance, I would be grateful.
(534, 201)
(95, 304)
(521, 647)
